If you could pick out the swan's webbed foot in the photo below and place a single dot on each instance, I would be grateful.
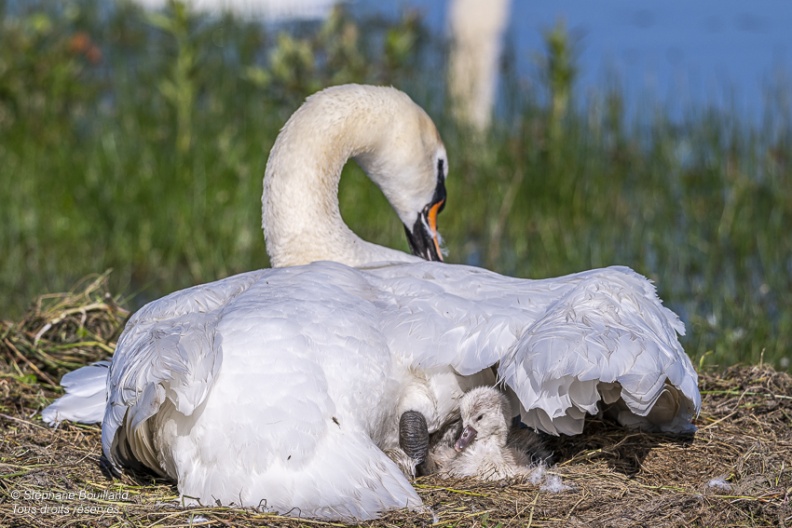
(414, 438)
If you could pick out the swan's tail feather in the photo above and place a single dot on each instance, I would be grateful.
(85, 398)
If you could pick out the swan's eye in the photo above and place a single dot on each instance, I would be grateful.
(480, 416)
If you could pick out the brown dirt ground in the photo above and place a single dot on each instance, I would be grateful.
(619, 478)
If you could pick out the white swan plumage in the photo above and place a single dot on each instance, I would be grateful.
(281, 389)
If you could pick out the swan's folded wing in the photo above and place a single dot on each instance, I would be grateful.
(608, 338)
(562, 344)
(168, 351)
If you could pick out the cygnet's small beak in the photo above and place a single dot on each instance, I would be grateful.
(423, 238)
(466, 438)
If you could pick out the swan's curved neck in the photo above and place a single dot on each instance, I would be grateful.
(300, 215)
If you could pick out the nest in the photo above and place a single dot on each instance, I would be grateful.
(735, 471)
(62, 331)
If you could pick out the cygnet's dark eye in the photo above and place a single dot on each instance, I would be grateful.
(480, 416)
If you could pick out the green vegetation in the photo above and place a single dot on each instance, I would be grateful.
(138, 141)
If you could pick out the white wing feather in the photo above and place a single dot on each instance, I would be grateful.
(609, 329)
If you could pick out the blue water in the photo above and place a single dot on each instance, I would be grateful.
(682, 54)
(724, 53)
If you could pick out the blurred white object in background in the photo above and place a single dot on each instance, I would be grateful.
(270, 10)
(477, 28)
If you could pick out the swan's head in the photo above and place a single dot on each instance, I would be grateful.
(484, 412)
(423, 236)
(391, 138)
(408, 161)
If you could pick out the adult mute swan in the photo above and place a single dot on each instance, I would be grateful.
(283, 388)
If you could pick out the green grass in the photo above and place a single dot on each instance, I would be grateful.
(149, 161)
